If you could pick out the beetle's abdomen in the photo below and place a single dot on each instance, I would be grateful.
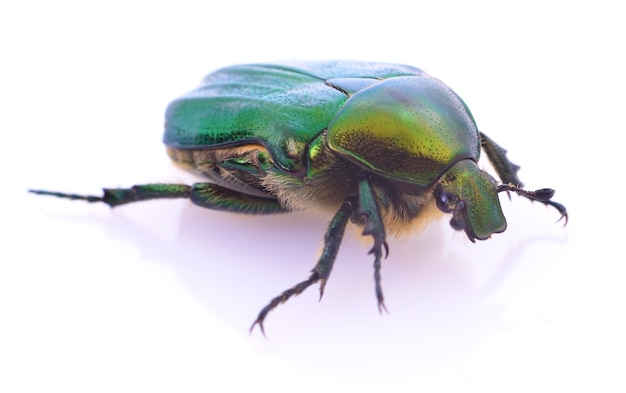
(240, 168)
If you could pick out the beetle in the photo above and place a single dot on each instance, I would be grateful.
(384, 146)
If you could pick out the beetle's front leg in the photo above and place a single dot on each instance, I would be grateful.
(321, 271)
(368, 215)
(507, 171)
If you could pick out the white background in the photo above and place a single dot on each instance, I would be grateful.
(159, 296)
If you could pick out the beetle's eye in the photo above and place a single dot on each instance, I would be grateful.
(458, 224)
(445, 201)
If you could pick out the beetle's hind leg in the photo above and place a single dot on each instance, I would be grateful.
(120, 196)
(209, 195)
(321, 271)
(216, 197)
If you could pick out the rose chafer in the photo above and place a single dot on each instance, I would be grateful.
(384, 146)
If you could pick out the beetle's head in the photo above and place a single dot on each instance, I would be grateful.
(471, 196)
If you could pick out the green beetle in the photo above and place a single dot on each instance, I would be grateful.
(385, 146)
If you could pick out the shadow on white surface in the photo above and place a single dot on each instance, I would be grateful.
(442, 295)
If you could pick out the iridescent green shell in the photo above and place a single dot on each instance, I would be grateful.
(392, 119)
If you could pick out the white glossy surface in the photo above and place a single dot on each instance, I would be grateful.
(159, 296)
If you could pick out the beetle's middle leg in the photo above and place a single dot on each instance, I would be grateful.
(321, 271)
(368, 215)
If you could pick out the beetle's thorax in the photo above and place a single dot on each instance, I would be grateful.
(408, 128)
(333, 178)
(330, 180)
